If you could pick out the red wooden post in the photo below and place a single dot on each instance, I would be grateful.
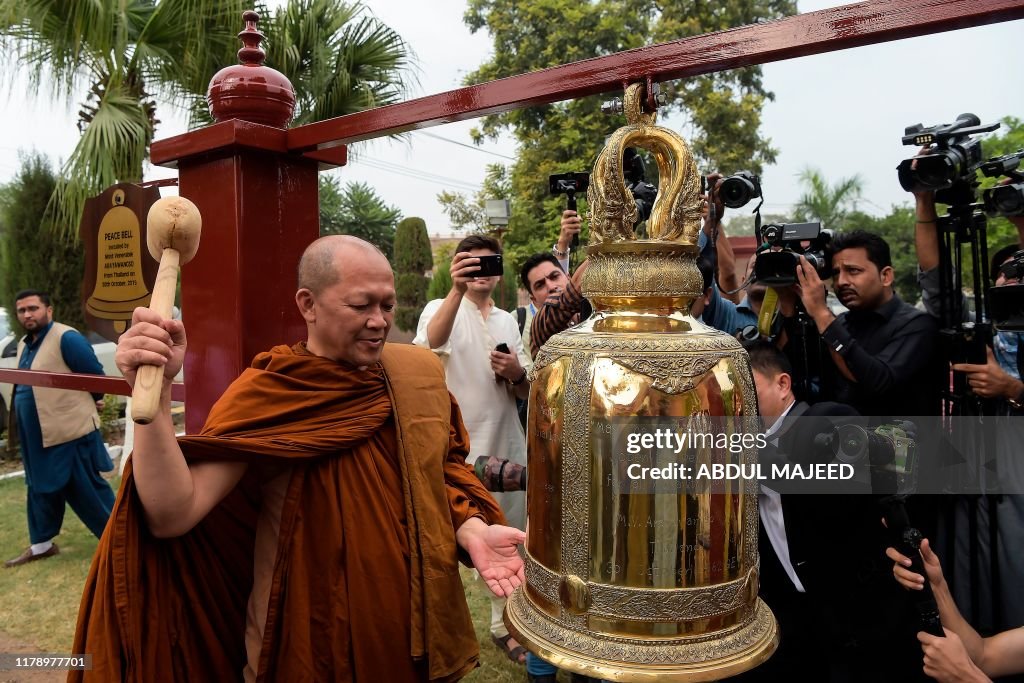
(260, 210)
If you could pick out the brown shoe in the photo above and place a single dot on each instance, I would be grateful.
(27, 556)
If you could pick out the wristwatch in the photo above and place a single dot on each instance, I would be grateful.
(1017, 402)
(558, 253)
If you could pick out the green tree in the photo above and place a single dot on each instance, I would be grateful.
(827, 203)
(412, 261)
(465, 213)
(722, 110)
(506, 294)
(33, 254)
(357, 210)
(441, 278)
(132, 54)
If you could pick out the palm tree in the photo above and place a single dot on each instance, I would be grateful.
(339, 58)
(826, 203)
(132, 54)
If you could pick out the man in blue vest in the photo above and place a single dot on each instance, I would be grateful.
(59, 431)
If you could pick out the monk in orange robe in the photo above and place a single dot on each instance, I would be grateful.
(312, 530)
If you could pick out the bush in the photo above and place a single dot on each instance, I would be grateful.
(412, 261)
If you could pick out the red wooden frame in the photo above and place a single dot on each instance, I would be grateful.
(79, 382)
(256, 186)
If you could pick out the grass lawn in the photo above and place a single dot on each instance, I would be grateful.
(40, 603)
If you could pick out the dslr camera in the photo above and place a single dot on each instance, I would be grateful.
(738, 189)
(948, 169)
(1004, 200)
(792, 240)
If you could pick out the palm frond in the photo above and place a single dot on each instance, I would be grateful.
(340, 58)
(185, 42)
(112, 149)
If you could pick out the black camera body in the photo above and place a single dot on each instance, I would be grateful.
(968, 344)
(1008, 199)
(778, 268)
(635, 173)
(1007, 302)
(738, 189)
(949, 168)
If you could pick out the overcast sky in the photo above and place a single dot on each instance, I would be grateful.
(842, 112)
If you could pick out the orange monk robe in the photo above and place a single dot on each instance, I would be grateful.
(365, 583)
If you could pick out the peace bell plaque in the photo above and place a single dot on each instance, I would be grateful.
(119, 272)
(635, 584)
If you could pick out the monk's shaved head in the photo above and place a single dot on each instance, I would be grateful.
(320, 266)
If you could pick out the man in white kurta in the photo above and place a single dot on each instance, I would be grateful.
(464, 329)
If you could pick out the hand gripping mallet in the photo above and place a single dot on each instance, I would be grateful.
(173, 228)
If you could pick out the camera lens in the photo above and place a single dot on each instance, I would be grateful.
(771, 233)
(736, 191)
(1007, 200)
(936, 171)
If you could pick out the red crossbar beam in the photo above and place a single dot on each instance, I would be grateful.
(94, 384)
(837, 28)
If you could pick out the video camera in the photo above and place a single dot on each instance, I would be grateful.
(1004, 200)
(889, 449)
(949, 168)
(778, 268)
(1007, 301)
(569, 184)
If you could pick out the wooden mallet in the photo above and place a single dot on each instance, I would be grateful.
(173, 228)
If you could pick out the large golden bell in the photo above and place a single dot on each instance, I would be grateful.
(120, 287)
(635, 586)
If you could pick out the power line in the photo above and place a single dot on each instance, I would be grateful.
(463, 144)
(417, 174)
(420, 174)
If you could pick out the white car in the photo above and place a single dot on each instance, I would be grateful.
(9, 359)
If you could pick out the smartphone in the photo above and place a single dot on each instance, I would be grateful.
(503, 347)
(489, 266)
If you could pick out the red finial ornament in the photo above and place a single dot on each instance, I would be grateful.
(249, 90)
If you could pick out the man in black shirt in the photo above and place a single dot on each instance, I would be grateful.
(885, 350)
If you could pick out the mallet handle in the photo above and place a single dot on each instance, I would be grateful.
(149, 381)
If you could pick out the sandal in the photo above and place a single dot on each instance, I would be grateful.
(517, 654)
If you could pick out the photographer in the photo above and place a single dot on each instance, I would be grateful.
(884, 349)
(982, 531)
(821, 569)
(963, 655)
(999, 377)
(725, 312)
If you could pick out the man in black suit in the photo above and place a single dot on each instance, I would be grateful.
(823, 571)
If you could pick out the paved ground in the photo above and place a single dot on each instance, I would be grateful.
(9, 645)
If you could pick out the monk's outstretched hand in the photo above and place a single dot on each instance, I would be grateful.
(493, 551)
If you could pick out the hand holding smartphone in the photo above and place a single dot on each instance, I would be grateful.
(490, 266)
